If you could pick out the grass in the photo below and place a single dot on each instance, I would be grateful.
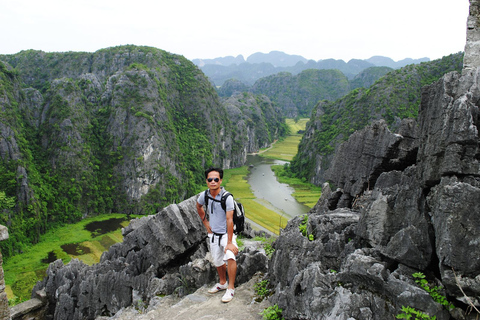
(23, 271)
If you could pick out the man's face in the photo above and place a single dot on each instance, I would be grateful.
(213, 180)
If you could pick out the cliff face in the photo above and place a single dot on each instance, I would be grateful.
(125, 129)
(403, 203)
(406, 202)
(258, 121)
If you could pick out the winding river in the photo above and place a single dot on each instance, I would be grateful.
(271, 193)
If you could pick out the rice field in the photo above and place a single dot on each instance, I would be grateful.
(287, 148)
(23, 271)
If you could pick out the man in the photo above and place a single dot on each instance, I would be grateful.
(223, 245)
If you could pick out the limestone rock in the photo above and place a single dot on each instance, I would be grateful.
(471, 58)
(367, 153)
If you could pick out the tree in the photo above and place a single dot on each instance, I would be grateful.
(6, 202)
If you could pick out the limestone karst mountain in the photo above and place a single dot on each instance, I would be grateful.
(393, 97)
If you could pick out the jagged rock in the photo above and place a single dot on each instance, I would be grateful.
(322, 204)
(449, 120)
(150, 248)
(393, 223)
(471, 59)
(367, 153)
(457, 228)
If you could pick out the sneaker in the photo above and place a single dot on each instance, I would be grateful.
(228, 296)
(218, 287)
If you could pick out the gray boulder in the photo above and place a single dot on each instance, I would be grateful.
(369, 152)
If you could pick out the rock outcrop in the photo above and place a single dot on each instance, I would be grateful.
(406, 202)
(160, 255)
(471, 58)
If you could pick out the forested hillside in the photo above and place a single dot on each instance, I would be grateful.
(297, 95)
(393, 97)
(126, 129)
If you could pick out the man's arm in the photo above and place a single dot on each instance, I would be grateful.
(230, 246)
(203, 216)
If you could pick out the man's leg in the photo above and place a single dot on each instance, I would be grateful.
(232, 272)
(217, 256)
(222, 273)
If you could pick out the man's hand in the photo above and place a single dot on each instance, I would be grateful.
(231, 247)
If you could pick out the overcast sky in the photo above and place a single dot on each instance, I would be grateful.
(314, 29)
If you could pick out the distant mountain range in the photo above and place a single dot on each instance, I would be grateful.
(259, 65)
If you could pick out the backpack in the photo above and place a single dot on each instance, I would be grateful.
(238, 211)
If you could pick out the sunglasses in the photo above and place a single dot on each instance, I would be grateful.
(213, 179)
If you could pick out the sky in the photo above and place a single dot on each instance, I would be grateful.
(314, 29)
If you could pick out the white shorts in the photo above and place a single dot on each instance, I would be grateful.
(218, 251)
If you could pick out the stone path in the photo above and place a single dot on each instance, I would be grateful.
(201, 305)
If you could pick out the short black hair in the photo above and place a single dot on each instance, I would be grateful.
(220, 171)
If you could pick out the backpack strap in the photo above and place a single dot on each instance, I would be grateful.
(206, 204)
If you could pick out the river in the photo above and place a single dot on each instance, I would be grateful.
(271, 193)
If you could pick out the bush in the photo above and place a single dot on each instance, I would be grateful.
(262, 289)
(267, 245)
(272, 313)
